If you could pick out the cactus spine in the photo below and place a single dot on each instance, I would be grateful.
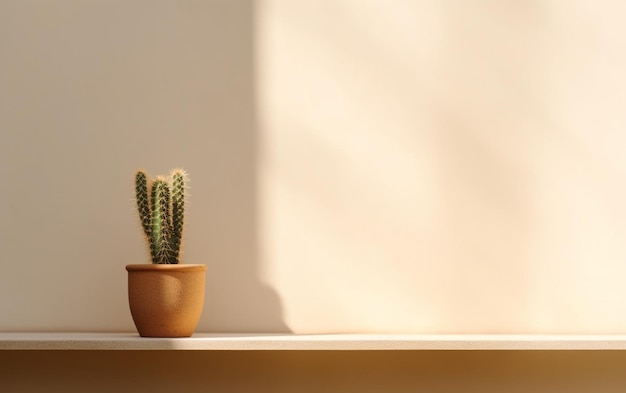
(162, 213)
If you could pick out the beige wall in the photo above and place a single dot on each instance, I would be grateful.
(405, 166)
(91, 91)
(444, 166)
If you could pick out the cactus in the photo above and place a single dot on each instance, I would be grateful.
(161, 207)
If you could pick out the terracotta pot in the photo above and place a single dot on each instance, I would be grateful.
(166, 300)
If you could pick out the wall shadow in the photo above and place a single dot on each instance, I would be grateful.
(91, 92)
(224, 197)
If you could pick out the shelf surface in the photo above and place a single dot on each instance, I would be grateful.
(305, 342)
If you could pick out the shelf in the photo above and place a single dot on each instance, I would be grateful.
(304, 342)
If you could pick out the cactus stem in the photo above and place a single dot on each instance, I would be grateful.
(161, 206)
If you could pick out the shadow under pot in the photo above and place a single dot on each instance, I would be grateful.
(166, 300)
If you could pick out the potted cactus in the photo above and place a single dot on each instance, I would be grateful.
(166, 297)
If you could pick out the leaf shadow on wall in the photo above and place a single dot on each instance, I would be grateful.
(485, 143)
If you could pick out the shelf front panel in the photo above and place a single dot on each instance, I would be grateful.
(304, 342)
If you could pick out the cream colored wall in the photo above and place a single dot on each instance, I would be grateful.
(406, 166)
(444, 166)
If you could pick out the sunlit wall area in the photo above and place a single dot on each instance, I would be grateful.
(443, 166)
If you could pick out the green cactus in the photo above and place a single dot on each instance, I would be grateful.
(178, 210)
(162, 213)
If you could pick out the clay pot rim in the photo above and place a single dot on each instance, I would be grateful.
(165, 267)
